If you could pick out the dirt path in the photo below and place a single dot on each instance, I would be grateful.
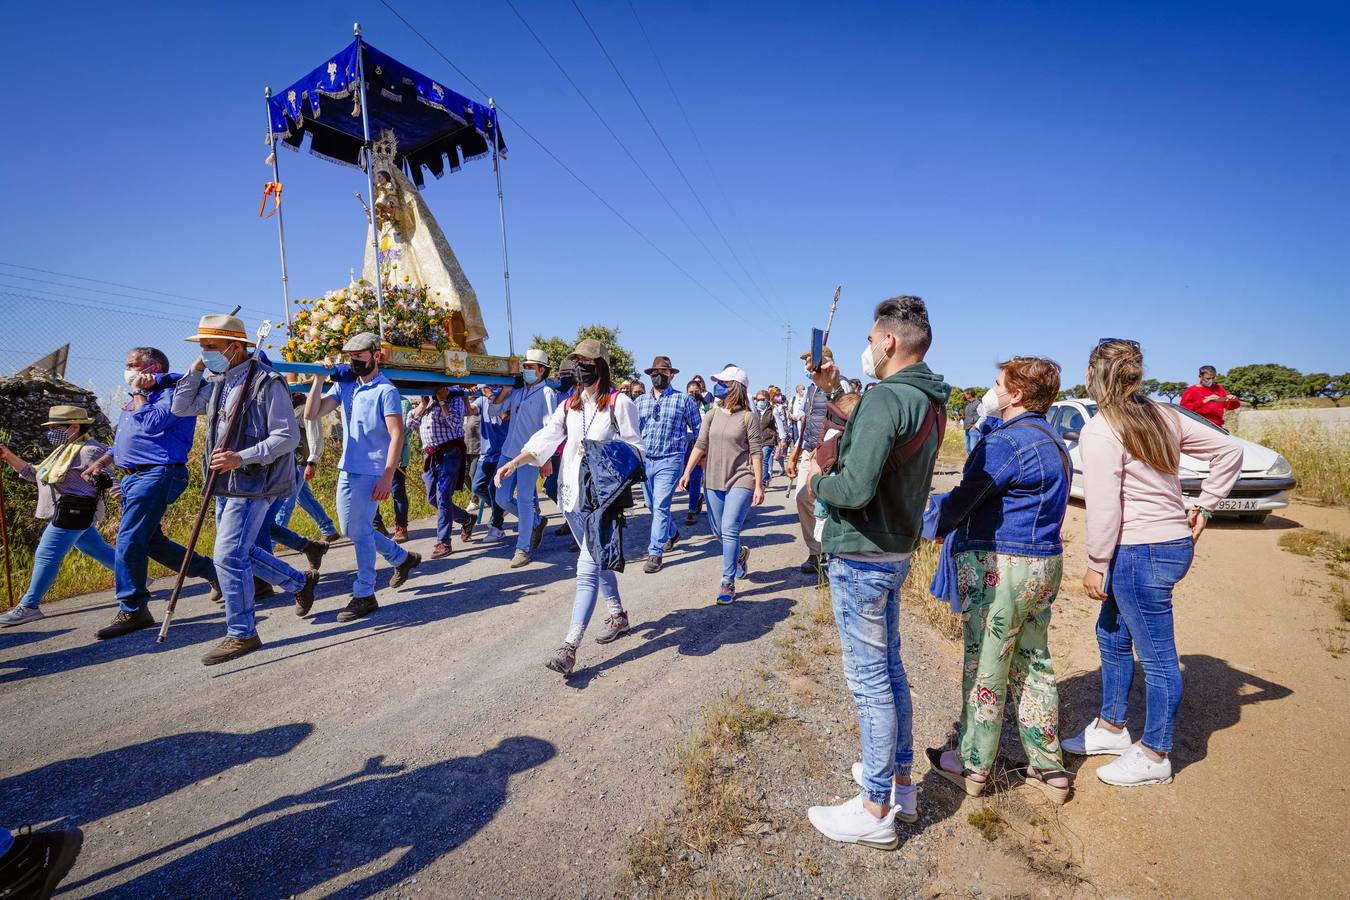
(425, 747)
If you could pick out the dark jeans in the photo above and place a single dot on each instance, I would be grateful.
(1136, 619)
(399, 494)
(551, 482)
(440, 474)
(482, 486)
(695, 485)
(146, 495)
(275, 532)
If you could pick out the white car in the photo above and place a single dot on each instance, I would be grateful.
(1264, 485)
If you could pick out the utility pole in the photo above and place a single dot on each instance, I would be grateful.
(787, 360)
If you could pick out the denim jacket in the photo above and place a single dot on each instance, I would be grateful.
(1013, 492)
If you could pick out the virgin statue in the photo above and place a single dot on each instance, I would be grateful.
(413, 249)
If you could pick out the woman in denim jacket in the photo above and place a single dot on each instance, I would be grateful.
(1003, 521)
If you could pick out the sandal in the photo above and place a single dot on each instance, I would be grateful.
(1038, 779)
(963, 781)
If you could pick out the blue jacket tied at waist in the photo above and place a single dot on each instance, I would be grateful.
(609, 469)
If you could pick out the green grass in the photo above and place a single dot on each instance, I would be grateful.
(81, 575)
(1320, 456)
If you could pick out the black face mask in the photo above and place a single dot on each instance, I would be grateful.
(660, 382)
(362, 367)
(567, 382)
(587, 372)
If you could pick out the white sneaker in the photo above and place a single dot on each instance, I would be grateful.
(474, 504)
(19, 615)
(495, 534)
(1095, 740)
(904, 798)
(1136, 767)
(851, 823)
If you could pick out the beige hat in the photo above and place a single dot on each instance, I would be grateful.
(67, 415)
(826, 354)
(591, 349)
(361, 341)
(221, 328)
(537, 356)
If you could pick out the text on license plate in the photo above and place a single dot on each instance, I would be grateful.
(1236, 505)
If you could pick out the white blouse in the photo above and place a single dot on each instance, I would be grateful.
(587, 423)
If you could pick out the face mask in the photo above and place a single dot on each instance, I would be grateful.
(215, 361)
(56, 436)
(362, 367)
(762, 405)
(130, 376)
(869, 365)
(719, 390)
(587, 373)
(1207, 382)
(660, 382)
(530, 375)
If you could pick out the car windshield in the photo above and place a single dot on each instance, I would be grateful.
(1197, 417)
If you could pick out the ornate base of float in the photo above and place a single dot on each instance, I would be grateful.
(421, 370)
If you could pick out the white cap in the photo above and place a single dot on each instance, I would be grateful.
(733, 373)
(536, 355)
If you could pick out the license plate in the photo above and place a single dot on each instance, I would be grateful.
(1240, 505)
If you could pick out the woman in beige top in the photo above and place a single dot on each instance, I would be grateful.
(729, 446)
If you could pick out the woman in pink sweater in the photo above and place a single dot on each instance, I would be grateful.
(1141, 538)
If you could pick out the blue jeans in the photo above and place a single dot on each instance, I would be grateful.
(866, 599)
(310, 504)
(592, 581)
(662, 477)
(482, 487)
(440, 474)
(145, 497)
(726, 514)
(695, 486)
(517, 496)
(972, 438)
(766, 466)
(239, 558)
(276, 532)
(52, 548)
(356, 514)
(1136, 618)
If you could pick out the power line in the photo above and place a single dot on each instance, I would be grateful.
(562, 165)
(673, 161)
(211, 303)
(624, 147)
(26, 280)
(49, 297)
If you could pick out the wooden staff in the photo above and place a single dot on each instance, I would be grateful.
(4, 527)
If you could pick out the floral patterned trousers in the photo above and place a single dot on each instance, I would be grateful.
(1005, 604)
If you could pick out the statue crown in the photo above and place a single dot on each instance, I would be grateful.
(384, 150)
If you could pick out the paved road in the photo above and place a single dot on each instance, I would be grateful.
(423, 749)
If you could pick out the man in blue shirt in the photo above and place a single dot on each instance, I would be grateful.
(151, 448)
(492, 433)
(372, 435)
(669, 422)
(525, 410)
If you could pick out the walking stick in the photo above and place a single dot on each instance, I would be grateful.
(4, 527)
(231, 431)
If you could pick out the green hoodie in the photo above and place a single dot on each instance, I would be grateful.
(873, 510)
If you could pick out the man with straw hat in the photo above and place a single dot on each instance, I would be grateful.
(670, 422)
(251, 474)
(525, 410)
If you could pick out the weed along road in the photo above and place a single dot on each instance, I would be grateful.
(424, 747)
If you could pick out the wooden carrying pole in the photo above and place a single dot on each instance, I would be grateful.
(4, 532)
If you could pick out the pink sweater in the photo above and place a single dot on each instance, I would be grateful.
(1130, 502)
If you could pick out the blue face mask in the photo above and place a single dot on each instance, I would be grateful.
(530, 375)
(762, 405)
(215, 361)
(56, 436)
(720, 390)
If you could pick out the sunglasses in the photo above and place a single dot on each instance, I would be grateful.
(1125, 341)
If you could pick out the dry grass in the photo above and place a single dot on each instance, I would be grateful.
(935, 612)
(1313, 542)
(1320, 456)
(987, 822)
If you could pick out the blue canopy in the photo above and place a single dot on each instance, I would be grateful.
(435, 126)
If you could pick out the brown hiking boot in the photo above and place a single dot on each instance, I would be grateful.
(217, 595)
(440, 550)
(314, 552)
(331, 538)
(563, 660)
(304, 598)
(400, 533)
(358, 608)
(401, 573)
(231, 648)
(616, 626)
(126, 623)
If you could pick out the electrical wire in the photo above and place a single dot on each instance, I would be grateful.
(210, 303)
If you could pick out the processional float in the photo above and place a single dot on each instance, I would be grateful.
(365, 109)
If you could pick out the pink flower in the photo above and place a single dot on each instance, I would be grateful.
(991, 579)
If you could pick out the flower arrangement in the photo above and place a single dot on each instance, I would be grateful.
(322, 325)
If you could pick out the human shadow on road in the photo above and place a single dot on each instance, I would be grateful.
(10, 639)
(85, 789)
(1213, 696)
(343, 826)
(696, 631)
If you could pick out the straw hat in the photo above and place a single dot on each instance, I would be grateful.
(221, 328)
(67, 415)
(537, 356)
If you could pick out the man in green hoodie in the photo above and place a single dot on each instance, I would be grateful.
(876, 496)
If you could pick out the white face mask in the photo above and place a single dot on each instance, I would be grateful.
(869, 363)
(130, 376)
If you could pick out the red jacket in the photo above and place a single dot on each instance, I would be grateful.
(1194, 399)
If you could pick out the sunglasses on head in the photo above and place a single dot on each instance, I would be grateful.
(1126, 341)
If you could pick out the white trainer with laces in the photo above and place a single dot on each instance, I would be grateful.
(1094, 740)
(1135, 767)
(19, 615)
(851, 823)
(904, 798)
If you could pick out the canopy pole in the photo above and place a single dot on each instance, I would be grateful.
(501, 217)
(370, 171)
(281, 229)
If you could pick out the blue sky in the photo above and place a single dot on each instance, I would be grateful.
(1043, 174)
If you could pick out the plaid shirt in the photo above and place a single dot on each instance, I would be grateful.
(437, 426)
(670, 422)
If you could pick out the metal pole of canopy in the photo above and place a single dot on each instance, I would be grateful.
(281, 229)
(370, 170)
(501, 216)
